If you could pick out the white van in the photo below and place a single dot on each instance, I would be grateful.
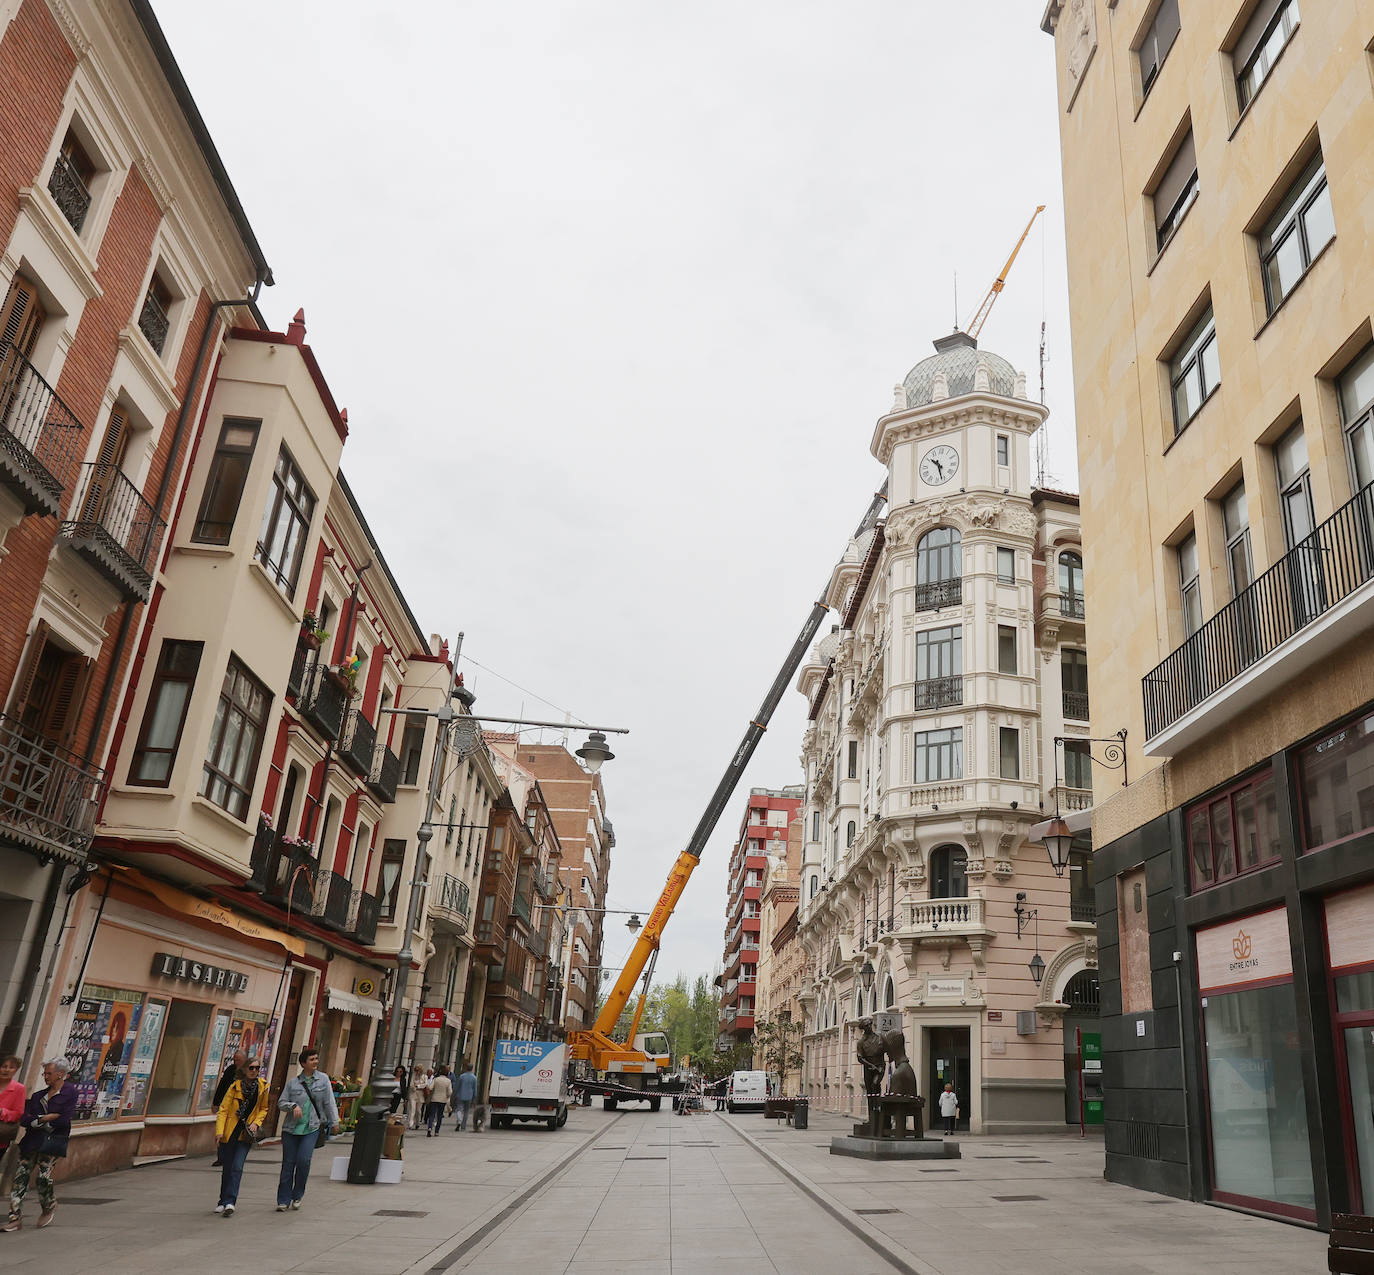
(748, 1091)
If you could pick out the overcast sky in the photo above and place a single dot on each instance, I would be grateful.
(614, 293)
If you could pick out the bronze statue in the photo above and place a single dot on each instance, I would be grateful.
(872, 1058)
(902, 1085)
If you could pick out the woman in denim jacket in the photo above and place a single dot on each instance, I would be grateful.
(308, 1103)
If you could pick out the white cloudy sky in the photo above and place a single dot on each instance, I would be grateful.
(614, 293)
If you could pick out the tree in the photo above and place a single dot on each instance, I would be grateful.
(688, 1012)
(779, 1040)
(738, 1056)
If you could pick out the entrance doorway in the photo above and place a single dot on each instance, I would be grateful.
(951, 1062)
(1082, 995)
(281, 1064)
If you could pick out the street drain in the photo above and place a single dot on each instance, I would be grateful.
(503, 1161)
(937, 1170)
(101, 1199)
(399, 1213)
(1015, 1199)
(1032, 1162)
(646, 1157)
(871, 1212)
(606, 1148)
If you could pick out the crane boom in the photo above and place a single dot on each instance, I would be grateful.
(981, 317)
(596, 1045)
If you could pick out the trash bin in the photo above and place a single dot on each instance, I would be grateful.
(395, 1131)
(368, 1139)
(799, 1114)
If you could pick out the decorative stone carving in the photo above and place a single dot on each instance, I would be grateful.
(986, 515)
(939, 387)
(1090, 951)
(1080, 37)
(1002, 869)
(898, 399)
(1020, 386)
(980, 376)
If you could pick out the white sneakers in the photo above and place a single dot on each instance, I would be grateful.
(295, 1204)
(219, 1208)
(228, 1210)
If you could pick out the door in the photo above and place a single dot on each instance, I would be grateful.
(102, 504)
(281, 1064)
(20, 322)
(951, 1063)
(52, 690)
(1305, 582)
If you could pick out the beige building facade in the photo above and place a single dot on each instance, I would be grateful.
(1218, 170)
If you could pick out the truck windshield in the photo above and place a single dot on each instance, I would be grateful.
(656, 1045)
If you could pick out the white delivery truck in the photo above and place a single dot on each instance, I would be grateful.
(529, 1081)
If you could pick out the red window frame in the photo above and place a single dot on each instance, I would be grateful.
(1227, 797)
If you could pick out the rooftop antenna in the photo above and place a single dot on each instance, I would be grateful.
(956, 299)
(1042, 444)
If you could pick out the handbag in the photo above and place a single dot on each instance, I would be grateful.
(323, 1131)
(9, 1131)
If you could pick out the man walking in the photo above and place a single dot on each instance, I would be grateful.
(440, 1091)
(949, 1107)
(231, 1073)
(465, 1094)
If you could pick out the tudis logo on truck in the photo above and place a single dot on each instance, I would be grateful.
(517, 1057)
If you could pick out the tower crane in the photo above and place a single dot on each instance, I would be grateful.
(981, 317)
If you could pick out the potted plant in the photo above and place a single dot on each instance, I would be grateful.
(311, 632)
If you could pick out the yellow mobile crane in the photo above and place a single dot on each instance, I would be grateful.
(631, 1071)
(981, 315)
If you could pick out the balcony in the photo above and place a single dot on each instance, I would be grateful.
(324, 701)
(520, 908)
(364, 913)
(1314, 599)
(299, 676)
(39, 437)
(529, 1004)
(449, 910)
(1082, 909)
(69, 192)
(284, 883)
(939, 692)
(537, 945)
(937, 918)
(384, 775)
(358, 744)
(117, 531)
(48, 796)
(939, 593)
(332, 899)
(1069, 799)
(1076, 706)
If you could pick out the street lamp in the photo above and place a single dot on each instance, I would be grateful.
(1058, 840)
(1037, 969)
(634, 924)
(594, 752)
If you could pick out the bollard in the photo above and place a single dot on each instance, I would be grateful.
(799, 1114)
(368, 1137)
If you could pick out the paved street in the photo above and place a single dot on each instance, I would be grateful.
(652, 1194)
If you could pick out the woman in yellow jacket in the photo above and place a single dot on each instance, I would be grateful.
(240, 1116)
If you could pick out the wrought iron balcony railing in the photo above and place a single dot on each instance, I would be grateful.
(366, 914)
(116, 529)
(939, 692)
(1076, 706)
(332, 899)
(299, 676)
(359, 743)
(939, 593)
(324, 700)
(452, 902)
(1082, 909)
(153, 322)
(1071, 606)
(48, 796)
(69, 191)
(1307, 582)
(384, 775)
(40, 437)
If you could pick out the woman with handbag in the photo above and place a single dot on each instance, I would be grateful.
(311, 1116)
(47, 1122)
(12, 1095)
(237, 1127)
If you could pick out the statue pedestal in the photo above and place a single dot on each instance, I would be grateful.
(864, 1148)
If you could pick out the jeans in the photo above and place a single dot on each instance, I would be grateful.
(232, 1155)
(31, 1168)
(462, 1106)
(434, 1116)
(297, 1149)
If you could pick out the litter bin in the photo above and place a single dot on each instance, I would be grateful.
(368, 1139)
(799, 1114)
(395, 1131)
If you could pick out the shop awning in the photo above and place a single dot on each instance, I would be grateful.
(334, 998)
(179, 901)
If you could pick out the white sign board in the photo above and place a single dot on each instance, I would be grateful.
(944, 989)
(1249, 949)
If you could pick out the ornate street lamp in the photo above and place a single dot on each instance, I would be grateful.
(1037, 969)
(594, 752)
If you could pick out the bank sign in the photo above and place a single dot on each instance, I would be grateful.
(1250, 949)
(519, 1057)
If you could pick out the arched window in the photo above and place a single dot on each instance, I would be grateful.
(1082, 992)
(949, 873)
(850, 830)
(939, 569)
(889, 993)
(1071, 584)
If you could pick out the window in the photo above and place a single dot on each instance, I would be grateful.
(235, 740)
(939, 755)
(1295, 486)
(286, 812)
(1009, 749)
(1073, 673)
(285, 523)
(1175, 192)
(1081, 903)
(1194, 371)
(327, 829)
(1154, 48)
(1296, 233)
(1006, 565)
(1077, 765)
(851, 830)
(1003, 450)
(412, 749)
(815, 885)
(153, 320)
(939, 569)
(1190, 587)
(815, 825)
(1006, 648)
(1270, 27)
(219, 506)
(70, 181)
(949, 873)
(1236, 521)
(1071, 585)
(1233, 832)
(165, 714)
(389, 882)
(939, 666)
(1355, 388)
(1337, 777)
(453, 821)
(853, 759)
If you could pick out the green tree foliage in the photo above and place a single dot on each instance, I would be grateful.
(688, 1011)
(779, 1039)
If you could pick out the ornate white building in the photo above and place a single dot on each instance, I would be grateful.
(930, 759)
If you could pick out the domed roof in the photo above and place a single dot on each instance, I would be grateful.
(958, 357)
(825, 649)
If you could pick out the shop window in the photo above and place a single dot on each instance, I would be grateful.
(219, 505)
(100, 1047)
(1337, 778)
(214, 1057)
(1233, 832)
(177, 1077)
(165, 714)
(231, 765)
(389, 882)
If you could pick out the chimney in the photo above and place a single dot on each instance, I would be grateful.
(296, 332)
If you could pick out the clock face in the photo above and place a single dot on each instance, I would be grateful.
(939, 465)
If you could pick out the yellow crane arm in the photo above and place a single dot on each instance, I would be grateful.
(981, 317)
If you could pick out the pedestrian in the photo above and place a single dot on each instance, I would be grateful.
(12, 1095)
(398, 1099)
(237, 1124)
(230, 1074)
(47, 1122)
(308, 1100)
(419, 1095)
(440, 1091)
(949, 1107)
(465, 1094)
(720, 1094)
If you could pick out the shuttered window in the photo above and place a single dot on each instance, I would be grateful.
(1159, 39)
(165, 715)
(50, 691)
(1176, 191)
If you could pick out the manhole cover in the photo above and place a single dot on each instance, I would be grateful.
(102, 1199)
(1015, 1199)
(399, 1213)
(871, 1212)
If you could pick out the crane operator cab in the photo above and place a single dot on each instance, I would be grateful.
(655, 1045)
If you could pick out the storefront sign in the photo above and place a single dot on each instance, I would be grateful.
(1349, 932)
(1251, 949)
(185, 970)
(944, 988)
(432, 1017)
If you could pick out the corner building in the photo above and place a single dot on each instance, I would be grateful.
(934, 708)
(1217, 183)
